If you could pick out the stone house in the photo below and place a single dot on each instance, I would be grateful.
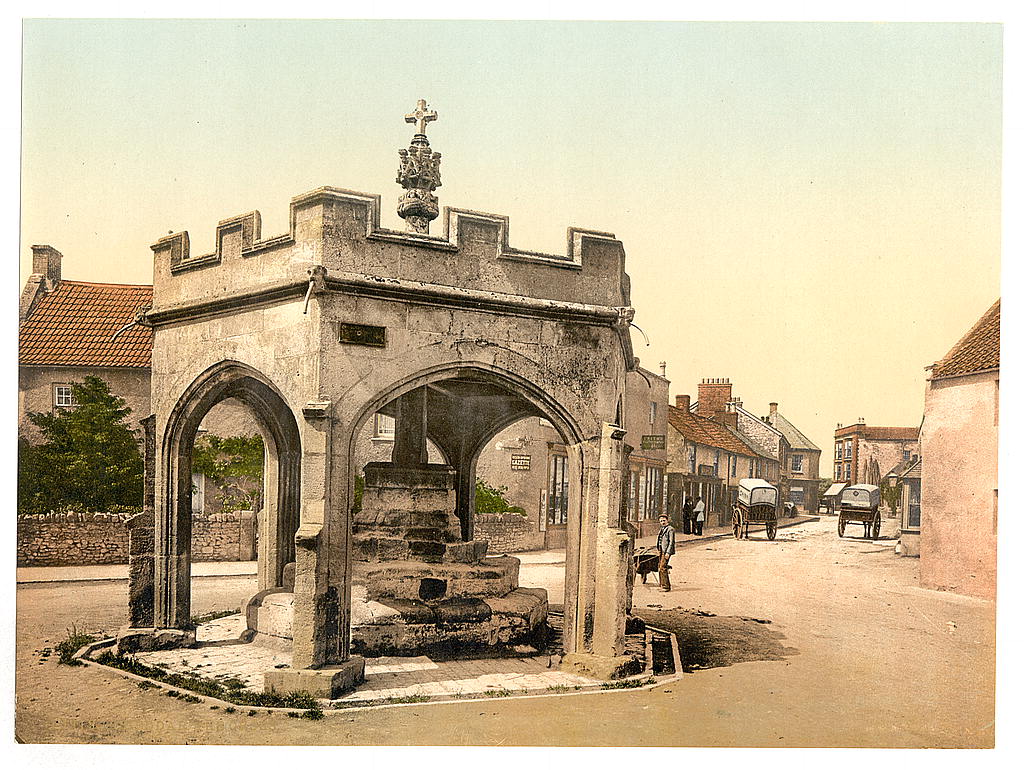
(802, 462)
(69, 330)
(959, 464)
(529, 458)
(865, 453)
(707, 459)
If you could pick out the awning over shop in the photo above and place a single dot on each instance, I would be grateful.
(834, 490)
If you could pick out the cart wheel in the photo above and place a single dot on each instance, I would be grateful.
(842, 526)
(736, 525)
(770, 529)
(877, 527)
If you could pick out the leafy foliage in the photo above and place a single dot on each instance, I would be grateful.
(235, 466)
(891, 495)
(90, 460)
(492, 499)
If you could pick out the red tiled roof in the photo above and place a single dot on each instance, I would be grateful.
(73, 326)
(704, 430)
(891, 434)
(976, 351)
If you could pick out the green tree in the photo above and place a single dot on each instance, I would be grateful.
(891, 495)
(90, 460)
(235, 465)
(492, 499)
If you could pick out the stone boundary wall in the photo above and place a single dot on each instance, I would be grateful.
(508, 532)
(79, 539)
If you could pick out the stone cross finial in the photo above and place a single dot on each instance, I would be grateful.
(422, 116)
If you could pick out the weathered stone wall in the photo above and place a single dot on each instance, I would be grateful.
(63, 539)
(77, 539)
(508, 532)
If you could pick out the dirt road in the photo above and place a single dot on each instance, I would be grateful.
(808, 641)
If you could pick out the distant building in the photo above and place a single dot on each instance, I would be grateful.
(802, 462)
(863, 453)
(708, 458)
(531, 460)
(66, 332)
(959, 464)
(795, 469)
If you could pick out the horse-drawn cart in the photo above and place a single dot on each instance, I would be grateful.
(860, 503)
(757, 503)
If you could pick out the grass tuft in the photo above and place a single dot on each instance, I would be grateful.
(75, 641)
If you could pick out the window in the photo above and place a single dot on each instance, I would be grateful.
(558, 490)
(846, 470)
(62, 396)
(797, 464)
(913, 503)
(848, 449)
(198, 492)
(752, 469)
(654, 412)
(383, 426)
(654, 490)
(634, 495)
(732, 472)
(716, 462)
(906, 454)
(796, 495)
(693, 458)
(839, 450)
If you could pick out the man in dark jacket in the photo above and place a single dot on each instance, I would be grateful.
(666, 547)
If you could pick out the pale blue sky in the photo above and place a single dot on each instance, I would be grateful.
(810, 209)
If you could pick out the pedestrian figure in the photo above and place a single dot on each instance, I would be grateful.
(698, 513)
(666, 547)
(687, 515)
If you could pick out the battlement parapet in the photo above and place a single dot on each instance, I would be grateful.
(340, 230)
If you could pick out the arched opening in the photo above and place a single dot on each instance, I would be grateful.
(235, 386)
(457, 411)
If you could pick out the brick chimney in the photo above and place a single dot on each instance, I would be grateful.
(773, 408)
(46, 262)
(683, 402)
(712, 396)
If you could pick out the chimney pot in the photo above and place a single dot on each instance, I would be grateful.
(664, 367)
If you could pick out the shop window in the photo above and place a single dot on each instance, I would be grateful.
(558, 490)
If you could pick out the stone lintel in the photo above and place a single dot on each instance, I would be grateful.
(600, 666)
(327, 682)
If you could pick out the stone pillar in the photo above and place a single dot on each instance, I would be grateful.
(599, 595)
(246, 535)
(140, 570)
(465, 495)
(141, 538)
(321, 664)
(172, 524)
(410, 448)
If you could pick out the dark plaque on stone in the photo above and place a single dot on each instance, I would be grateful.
(360, 334)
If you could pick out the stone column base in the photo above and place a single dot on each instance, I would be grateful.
(600, 666)
(145, 639)
(327, 682)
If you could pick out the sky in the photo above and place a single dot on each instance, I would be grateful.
(812, 210)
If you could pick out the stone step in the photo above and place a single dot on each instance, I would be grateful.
(386, 547)
(410, 627)
(394, 517)
(421, 580)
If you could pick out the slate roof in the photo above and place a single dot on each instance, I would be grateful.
(977, 351)
(73, 326)
(796, 439)
(704, 430)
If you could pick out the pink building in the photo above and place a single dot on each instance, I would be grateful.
(959, 464)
